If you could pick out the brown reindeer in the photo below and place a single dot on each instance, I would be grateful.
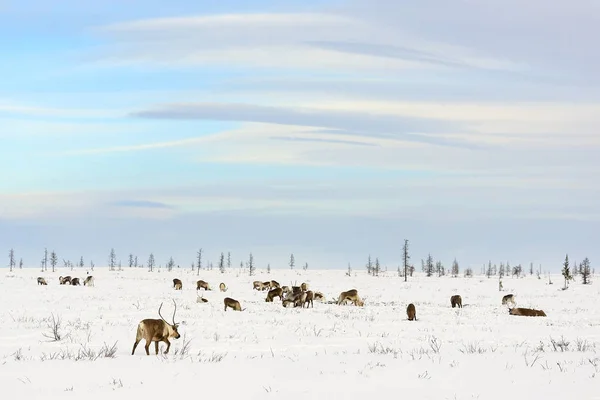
(526, 312)
(64, 279)
(231, 303)
(257, 285)
(274, 284)
(304, 286)
(296, 289)
(266, 286)
(351, 295)
(75, 282)
(222, 287)
(202, 285)
(177, 284)
(509, 298)
(286, 289)
(89, 281)
(41, 281)
(277, 292)
(411, 312)
(319, 296)
(310, 296)
(456, 300)
(156, 330)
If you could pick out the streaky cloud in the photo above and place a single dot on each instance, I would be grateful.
(141, 204)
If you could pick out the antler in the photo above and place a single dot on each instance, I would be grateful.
(174, 311)
(161, 317)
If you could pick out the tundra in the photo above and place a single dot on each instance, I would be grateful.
(351, 295)
(411, 312)
(156, 330)
(231, 303)
(526, 312)
(456, 300)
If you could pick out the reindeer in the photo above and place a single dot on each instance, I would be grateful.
(411, 312)
(286, 289)
(156, 330)
(231, 303)
(222, 287)
(202, 285)
(41, 281)
(319, 296)
(75, 282)
(277, 292)
(200, 299)
(89, 281)
(509, 298)
(310, 296)
(265, 286)
(304, 286)
(456, 300)
(297, 299)
(177, 284)
(296, 289)
(64, 279)
(274, 284)
(351, 295)
(526, 312)
(257, 285)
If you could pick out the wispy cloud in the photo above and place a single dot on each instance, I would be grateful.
(140, 204)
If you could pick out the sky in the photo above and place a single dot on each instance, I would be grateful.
(333, 130)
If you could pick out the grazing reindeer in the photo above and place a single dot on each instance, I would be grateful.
(277, 292)
(156, 330)
(274, 284)
(89, 281)
(304, 286)
(310, 296)
(177, 284)
(319, 296)
(75, 282)
(411, 312)
(266, 286)
(41, 281)
(526, 312)
(231, 303)
(64, 279)
(509, 298)
(351, 295)
(202, 285)
(456, 300)
(222, 287)
(297, 299)
(296, 289)
(286, 289)
(257, 285)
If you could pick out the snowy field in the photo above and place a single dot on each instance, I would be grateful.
(329, 352)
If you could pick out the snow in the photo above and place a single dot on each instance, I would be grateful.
(326, 352)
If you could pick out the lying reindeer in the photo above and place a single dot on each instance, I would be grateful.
(177, 284)
(319, 296)
(509, 298)
(156, 330)
(456, 300)
(527, 312)
(277, 292)
(257, 285)
(351, 295)
(41, 281)
(231, 303)
(200, 299)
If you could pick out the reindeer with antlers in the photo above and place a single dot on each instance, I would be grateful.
(156, 330)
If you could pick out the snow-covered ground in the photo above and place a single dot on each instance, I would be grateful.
(329, 352)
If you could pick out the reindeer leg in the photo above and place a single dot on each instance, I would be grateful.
(134, 346)
(147, 347)
(156, 346)
(168, 346)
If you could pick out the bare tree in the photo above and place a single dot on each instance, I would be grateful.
(292, 261)
(199, 263)
(130, 260)
(11, 259)
(439, 268)
(429, 265)
(46, 260)
(370, 266)
(170, 264)
(349, 272)
(222, 263)
(268, 268)
(566, 272)
(135, 262)
(228, 260)
(405, 258)
(585, 271)
(151, 262)
(455, 268)
(112, 260)
(377, 267)
(53, 260)
(21, 263)
(469, 272)
(251, 267)
(81, 263)
(92, 265)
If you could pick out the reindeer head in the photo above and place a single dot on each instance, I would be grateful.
(174, 325)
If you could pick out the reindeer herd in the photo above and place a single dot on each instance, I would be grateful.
(159, 330)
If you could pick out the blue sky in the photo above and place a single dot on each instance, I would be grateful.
(330, 129)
